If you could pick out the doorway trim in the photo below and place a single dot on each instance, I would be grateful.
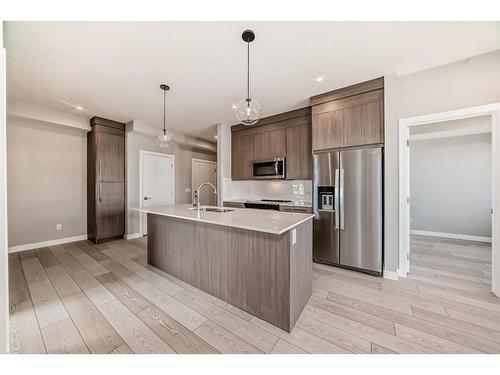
(214, 163)
(492, 110)
(141, 161)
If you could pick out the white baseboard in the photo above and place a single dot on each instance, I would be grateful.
(392, 275)
(36, 245)
(131, 236)
(455, 236)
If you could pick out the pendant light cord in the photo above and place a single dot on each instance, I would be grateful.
(248, 71)
(164, 105)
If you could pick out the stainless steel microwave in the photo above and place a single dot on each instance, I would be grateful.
(269, 169)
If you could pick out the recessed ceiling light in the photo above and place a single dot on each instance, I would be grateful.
(233, 106)
(78, 108)
(319, 79)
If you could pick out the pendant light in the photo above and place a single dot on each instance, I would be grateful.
(248, 111)
(165, 138)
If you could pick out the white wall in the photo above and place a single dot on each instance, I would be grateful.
(4, 291)
(465, 83)
(136, 141)
(47, 177)
(223, 159)
(451, 185)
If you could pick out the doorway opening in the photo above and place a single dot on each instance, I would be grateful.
(449, 199)
(156, 182)
(450, 203)
(204, 171)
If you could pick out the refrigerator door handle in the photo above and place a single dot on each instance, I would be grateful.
(342, 199)
(336, 199)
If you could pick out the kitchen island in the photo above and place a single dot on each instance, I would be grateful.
(257, 260)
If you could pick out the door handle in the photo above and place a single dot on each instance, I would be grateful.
(100, 184)
(341, 199)
(336, 199)
(147, 198)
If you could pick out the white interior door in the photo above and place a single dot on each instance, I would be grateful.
(158, 182)
(204, 171)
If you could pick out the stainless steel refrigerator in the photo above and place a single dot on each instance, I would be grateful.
(348, 208)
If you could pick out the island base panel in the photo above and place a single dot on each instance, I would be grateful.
(261, 273)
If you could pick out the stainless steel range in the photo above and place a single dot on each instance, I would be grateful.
(265, 204)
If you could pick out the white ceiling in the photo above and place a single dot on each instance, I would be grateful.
(114, 69)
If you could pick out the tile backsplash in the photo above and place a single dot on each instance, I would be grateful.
(297, 190)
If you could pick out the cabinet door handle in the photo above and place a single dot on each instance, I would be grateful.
(100, 184)
(100, 170)
(146, 198)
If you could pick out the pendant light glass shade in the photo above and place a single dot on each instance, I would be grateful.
(248, 111)
(166, 136)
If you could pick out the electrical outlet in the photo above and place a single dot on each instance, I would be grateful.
(58, 226)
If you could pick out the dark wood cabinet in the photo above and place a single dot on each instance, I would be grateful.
(327, 130)
(285, 135)
(298, 152)
(261, 145)
(110, 210)
(277, 143)
(110, 150)
(363, 124)
(269, 144)
(105, 180)
(348, 117)
(242, 148)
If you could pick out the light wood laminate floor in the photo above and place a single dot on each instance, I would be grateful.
(86, 298)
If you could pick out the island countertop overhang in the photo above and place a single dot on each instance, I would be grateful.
(266, 221)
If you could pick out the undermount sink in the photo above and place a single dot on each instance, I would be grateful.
(213, 209)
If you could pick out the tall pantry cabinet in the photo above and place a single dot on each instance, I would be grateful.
(105, 180)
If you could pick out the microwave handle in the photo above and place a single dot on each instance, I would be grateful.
(276, 167)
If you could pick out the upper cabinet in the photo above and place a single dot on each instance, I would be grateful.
(285, 135)
(348, 117)
(269, 144)
(277, 143)
(242, 151)
(299, 152)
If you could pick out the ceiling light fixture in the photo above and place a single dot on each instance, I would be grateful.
(78, 108)
(165, 138)
(319, 79)
(248, 111)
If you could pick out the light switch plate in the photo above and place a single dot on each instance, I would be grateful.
(58, 226)
(188, 190)
(294, 236)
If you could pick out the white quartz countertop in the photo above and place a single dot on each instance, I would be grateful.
(268, 221)
(284, 204)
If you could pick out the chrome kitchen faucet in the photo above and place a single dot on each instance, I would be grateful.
(196, 200)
